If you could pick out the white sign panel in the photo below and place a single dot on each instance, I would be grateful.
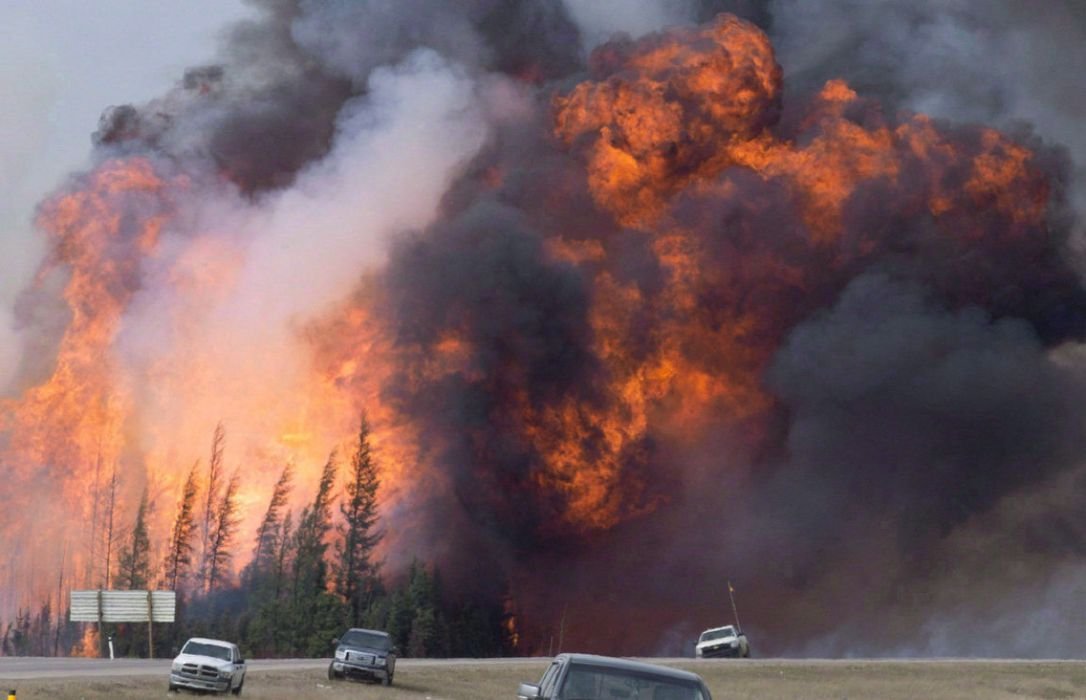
(123, 606)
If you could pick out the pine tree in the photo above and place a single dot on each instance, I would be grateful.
(178, 561)
(263, 576)
(269, 534)
(427, 622)
(135, 564)
(400, 617)
(20, 639)
(211, 502)
(41, 629)
(355, 569)
(269, 635)
(284, 558)
(310, 568)
(315, 614)
(423, 635)
(223, 529)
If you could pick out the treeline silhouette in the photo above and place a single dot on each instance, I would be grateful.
(312, 575)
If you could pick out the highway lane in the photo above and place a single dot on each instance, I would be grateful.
(28, 668)
(35, 667)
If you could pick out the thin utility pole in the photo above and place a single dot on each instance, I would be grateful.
(735, 613)
(562, 628)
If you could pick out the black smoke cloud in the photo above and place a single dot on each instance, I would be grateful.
(923, 463)
(919, 391)
(909, 425)
(525, 321)
(269, 106)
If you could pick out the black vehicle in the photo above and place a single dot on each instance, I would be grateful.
(590, 677)
(363, 655)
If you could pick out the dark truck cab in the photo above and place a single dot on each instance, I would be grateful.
(590, 677)
(363, 654)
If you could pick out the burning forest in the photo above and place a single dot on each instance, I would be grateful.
(629, 315)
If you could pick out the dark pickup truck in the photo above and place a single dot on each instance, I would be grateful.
(364, 655)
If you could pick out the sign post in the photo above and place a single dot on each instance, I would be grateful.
(124, 606)
(101, 635)
(150, 627)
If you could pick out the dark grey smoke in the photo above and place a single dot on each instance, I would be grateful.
(1001, 63)
(920, 467)
(919, 391)
(269, 107)
(908, 422)
(484, 276)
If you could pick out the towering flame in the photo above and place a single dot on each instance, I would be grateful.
(662, 325)
(70, 427)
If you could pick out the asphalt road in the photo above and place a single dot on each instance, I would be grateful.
(28, 668)
(31, 667)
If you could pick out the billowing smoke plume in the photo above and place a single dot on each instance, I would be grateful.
(786, 297)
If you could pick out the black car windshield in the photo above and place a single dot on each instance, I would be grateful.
(718, 634)
(215, 651)
(600, 683)
(369, 640)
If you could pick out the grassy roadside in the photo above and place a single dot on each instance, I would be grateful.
(727, 679)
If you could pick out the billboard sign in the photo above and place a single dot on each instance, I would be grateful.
(123, 606)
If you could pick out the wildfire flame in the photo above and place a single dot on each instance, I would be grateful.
(748, 219)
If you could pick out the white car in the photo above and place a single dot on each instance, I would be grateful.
(722, 641)
(208, 664)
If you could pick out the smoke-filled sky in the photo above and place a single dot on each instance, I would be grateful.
(639, 297)
(61, 63)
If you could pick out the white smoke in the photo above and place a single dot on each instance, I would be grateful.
(220, 313)
(395, 153)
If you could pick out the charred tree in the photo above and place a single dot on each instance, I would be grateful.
(111, 509)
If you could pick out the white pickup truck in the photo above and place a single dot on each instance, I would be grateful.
(722, 641)
(208, 664)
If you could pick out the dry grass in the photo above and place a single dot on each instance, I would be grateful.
(811, 680)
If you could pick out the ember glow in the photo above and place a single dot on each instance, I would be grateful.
(625, 328)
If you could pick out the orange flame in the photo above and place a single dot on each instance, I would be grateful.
(685, 116)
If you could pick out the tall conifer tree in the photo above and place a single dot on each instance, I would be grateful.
(211, 504)
(134, 566)
(223, 529)
(355, 570)
(178, 561)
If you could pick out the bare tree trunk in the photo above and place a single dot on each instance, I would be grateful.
(93, 534)
(60, 600)
(109, 528)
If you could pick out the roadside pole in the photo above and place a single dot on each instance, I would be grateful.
(123, 606)
(562, 628)
(150, 628)
(735, 612)
(101, 632)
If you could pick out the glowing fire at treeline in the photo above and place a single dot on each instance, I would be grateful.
(573, 362)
